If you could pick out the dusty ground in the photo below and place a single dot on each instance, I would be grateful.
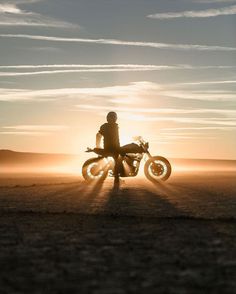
(59, 235)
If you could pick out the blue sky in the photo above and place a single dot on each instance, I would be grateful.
(167, 67)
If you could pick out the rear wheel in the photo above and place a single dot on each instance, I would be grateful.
(157, 168)
(95, 169)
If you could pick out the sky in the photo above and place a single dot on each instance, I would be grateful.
(167, 67)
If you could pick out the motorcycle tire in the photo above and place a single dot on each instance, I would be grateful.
(94, 169)
(157, 168)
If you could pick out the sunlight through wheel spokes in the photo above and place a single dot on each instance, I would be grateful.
(158, 169)
(95, 170)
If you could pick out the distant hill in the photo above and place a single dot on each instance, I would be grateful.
(11, 160)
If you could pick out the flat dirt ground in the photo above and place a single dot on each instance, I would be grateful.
(60, 235)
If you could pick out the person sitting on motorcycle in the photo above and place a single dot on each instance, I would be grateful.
(110, 133)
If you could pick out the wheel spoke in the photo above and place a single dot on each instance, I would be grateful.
(158, 169)
(95, 171)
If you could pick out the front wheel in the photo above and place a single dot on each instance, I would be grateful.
(157, 168)
(95, 169)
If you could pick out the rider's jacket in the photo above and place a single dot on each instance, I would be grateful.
(110, 133)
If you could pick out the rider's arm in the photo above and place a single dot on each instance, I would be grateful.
(98, 140)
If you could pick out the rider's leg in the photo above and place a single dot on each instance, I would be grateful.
(116, 168)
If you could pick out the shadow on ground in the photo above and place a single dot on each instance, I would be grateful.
(78, 238)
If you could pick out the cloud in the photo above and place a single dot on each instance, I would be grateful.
(127, 94)
(196, 132)
(86, 68)
(201, 96)
(24, 133)
(15, 74)
(208, 82)
(47, 128)
(97, 66)
(181, 137)
(214, 1)
(121, 43)
(160, 111)
(12, 94)
(123, 99)
(167, 115)
(230, 10)
(22, 1)
(179, 120)
(80, 68)
(32, 130)
(12, 15)
(225, 128)
(10, 8)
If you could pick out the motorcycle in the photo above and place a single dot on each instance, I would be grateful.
(156, 168)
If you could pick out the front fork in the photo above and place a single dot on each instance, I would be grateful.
(148, 155)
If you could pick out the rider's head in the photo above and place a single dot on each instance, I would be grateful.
(111, 117)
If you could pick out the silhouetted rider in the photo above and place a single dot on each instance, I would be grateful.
(111, 143)
(110, 134)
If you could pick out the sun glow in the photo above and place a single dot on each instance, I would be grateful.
(125, 139)
(128, 133)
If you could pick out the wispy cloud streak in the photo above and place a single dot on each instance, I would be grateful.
(118, 66)
(160, 111)
(122, 43)
(32, 130)
(208, 82)
(214, 1)
(200, 96)
(169, 115)
(87, 69)
(48, 128)
(80, 68)
(184, 120)
(129, 93)
(225, 128)
(12, 15)
(230, 10)
(122, 98)
(15, 74)
(10, 8)
(151, 66)
(24, 133)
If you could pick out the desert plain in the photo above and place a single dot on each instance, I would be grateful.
(59, 234)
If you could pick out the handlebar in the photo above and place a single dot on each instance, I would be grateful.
(89, 149)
